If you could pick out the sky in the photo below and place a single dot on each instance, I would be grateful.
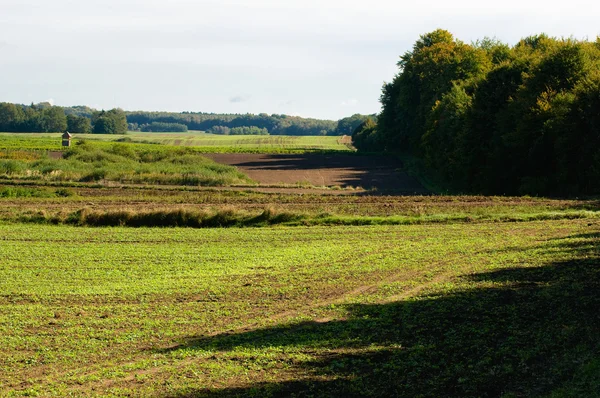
(314, 58)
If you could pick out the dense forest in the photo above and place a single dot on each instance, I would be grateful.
(266, 124)
(490, 118)
(44, 117)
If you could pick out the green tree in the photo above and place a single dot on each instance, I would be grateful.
(53, 119)
(365, 137)
(426, 74)
(347, 125)
(11, 117)
(113, 121)
(78, 124)
(447, 127)
(497, 119)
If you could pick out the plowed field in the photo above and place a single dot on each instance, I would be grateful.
(368, 172)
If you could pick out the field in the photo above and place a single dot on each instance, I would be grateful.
(109, 158)
(158, 287)
(209, 143)
(454, 310)
(240, 143)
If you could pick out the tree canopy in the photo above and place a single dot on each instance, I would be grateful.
(113, 121)
(33, 118)
(491, 118)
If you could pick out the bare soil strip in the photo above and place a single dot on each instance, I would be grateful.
(368, 172)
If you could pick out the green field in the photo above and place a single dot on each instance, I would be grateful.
(202, 141)
(240, 143)
(139, 269)
(432, 310)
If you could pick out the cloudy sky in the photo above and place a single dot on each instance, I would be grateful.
(314, 58)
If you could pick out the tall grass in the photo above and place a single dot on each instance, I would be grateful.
(125, 163)
(229, 216)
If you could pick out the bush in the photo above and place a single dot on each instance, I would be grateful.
(11, 166)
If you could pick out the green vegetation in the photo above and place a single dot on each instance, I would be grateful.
(258, 144)
(496, 119)
(125, 163)
(13, 192)
(79, 124)
(201, 142)
(164, 127)
(244, 130)
(44, 117)
(274, 124)
(36, 118)
(214, 143)
(11, 142)
(347, 125)
(492, 309)
(113, 121)
(131, 265)
(330, 293)
(189, 206)
(289, 215)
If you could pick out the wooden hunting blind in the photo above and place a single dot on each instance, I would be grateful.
(66, 139)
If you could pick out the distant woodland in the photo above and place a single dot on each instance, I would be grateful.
(491, 118)
(44, 117)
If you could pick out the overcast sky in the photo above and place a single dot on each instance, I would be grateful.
(313, 58)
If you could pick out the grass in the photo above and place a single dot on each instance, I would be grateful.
(485, 309)
(231, 217)
(202, 142)
(125, 163)
(98, 204)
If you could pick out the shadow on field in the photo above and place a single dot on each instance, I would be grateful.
(529, 332)
(382, 173)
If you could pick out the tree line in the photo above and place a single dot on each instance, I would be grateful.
(491, 118)
(273, 124)
(159, 127)
(244, 130)
(44, 117)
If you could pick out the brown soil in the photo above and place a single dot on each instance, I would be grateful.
(368, 172)
(55, 154)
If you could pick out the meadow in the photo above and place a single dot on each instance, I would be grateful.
(163, 287)
(88, 161)
(208, 143)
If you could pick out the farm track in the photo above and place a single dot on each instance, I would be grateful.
(278, 319)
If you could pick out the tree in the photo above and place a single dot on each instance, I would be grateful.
(105, 125)
(365, 137)
(78, 124)
(347, 125)
(11, 117)
(53, 119)
(113, 121)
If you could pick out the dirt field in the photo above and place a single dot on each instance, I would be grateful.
(368, 172)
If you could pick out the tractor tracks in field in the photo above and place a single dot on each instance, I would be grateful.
(270, 321)
(360, 291)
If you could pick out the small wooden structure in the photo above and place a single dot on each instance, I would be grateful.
(66, 139)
